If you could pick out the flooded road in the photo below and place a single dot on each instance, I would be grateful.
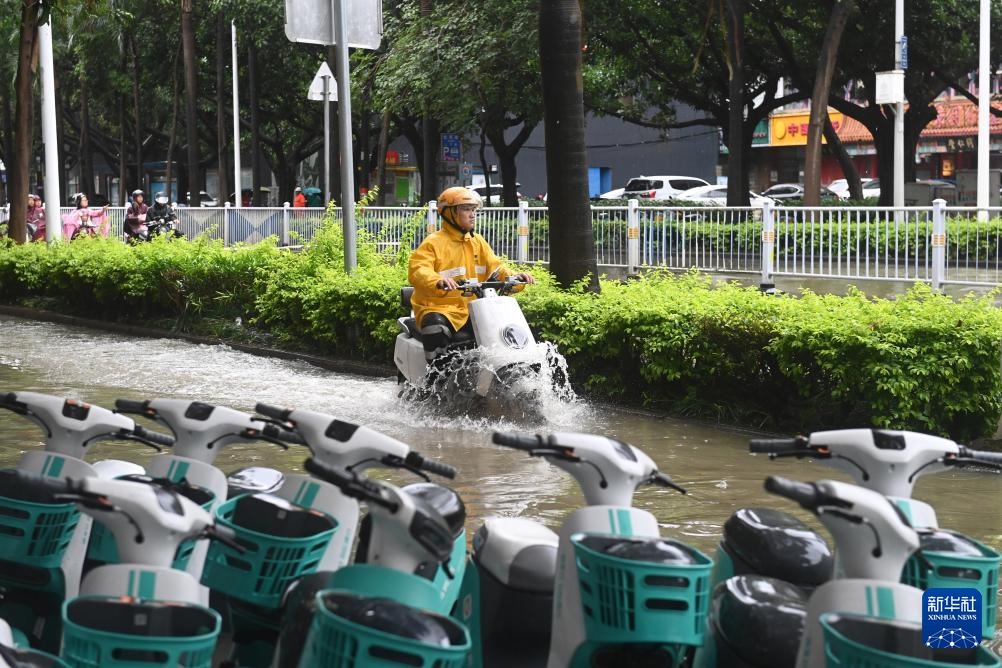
(712, 463)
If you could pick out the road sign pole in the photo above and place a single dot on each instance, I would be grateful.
(344, 122)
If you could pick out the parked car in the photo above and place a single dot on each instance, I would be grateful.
(787, 191)
(841, 187)
(717, 196)
(660, 187)
(496, 193)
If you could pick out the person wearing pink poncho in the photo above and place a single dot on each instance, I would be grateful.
(85, 220)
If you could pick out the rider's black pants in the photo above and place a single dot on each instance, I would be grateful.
(437, 334)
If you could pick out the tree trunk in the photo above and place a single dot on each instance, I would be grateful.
(136, 114)
(507, 152)
(121, 157)
(86, 150)
(843, 157)
(255, 146)
(191, 96)
(172, 138)
(384, 138)
(429, 142)
(31, 11)
(333, 176)
(572, 242)
(819, 99)
(483, 164)
(222, 158)
(737, 192)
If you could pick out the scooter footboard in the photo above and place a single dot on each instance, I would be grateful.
(642, 589)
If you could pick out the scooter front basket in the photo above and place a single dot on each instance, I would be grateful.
(35, 533)
(642, 590)
(102, 631)
(281, 545)
(336, 640)
(853, 641)
(977, 567)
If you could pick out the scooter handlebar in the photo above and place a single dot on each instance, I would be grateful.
(285, 435)
(153, 437)
(778, 445)
(518, 441)
(806, 494)
(274, 412)
(422, 463)
(981, 455)
(131, 406)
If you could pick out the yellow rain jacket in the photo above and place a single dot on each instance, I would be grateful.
(449, 253)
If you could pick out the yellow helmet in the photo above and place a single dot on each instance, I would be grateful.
(457, 195)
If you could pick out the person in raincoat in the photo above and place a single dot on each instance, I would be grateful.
(85, 220)
(453, 253)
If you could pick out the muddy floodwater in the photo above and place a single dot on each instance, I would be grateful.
(712, 463)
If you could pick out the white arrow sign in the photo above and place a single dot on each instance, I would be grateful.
(316, 91)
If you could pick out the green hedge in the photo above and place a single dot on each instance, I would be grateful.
(921, 361)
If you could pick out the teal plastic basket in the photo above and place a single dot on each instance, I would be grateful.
(336, 641)
(99, 632)
(35, 534)
(950, 569)
(262, 573)
(632, 600)
(850, 643)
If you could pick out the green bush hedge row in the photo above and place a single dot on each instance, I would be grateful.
(921, 361)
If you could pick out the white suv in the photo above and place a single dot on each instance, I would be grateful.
(660, 187)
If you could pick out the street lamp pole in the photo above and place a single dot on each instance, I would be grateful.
(52, 196)
(899, 109)
(984, 102)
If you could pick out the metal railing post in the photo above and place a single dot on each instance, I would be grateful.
(226, 224)
(284, 239)
(632, 236)
(432, 224)
(768, 247)
(523, 233)
(938, 243)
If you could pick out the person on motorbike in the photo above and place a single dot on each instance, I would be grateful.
(85, 220)
(160, 211)
(453, 253)
(135, 217)
(35, 218)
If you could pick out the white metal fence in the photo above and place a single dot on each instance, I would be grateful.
(937, 244)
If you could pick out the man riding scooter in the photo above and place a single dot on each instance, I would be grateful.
(452, 254)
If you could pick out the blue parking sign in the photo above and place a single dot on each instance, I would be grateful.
(450, 147)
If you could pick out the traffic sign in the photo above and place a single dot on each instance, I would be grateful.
(316, 91)
(312, 22)
(451, 147)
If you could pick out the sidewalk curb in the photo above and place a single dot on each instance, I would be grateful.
(337, 365)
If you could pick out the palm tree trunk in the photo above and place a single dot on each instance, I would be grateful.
(191, 96)
(819, 99)
(572, 242)
(30, 16)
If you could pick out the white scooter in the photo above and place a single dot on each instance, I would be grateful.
(308, 526)
(863, 617)
(502, 359)
(621, 595)
(43, 545)
(383, 612)
(141, 610)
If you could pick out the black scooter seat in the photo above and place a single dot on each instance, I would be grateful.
(759, 620)
(769, 542)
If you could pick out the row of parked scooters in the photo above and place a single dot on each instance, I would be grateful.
(186, 566)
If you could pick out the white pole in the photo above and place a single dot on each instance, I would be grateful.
(238, 195)
(327, 140)
(899, 111)
(984, 102)
(53, 227)
(344, 123)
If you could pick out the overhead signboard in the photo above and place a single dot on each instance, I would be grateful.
(312, 22)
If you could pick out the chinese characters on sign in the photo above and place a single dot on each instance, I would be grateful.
(450, 147)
